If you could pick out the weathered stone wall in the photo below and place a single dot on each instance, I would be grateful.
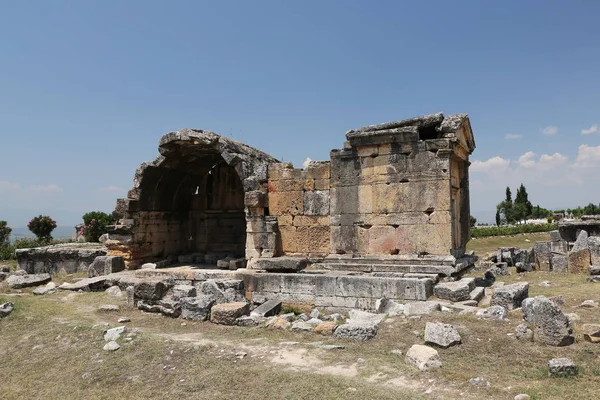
(299, 198)
(390, 199)
(67, 258)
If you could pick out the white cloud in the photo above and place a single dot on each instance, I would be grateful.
(591, 129)
(587, 156)
(549, 130)
(527, 160)
(491, 165)
(46, 188)
(512, 136)
(306, 162)
(112, 189)
(10, 185)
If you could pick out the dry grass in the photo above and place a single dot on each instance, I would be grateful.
(51, 347)
(490, 244)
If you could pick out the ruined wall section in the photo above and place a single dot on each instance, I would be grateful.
(391, 198)
(300, 200)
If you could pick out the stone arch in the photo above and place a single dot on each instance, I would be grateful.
(198, 196)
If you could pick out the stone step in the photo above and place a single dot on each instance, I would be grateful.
(446, 270)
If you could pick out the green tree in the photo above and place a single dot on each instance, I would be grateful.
(522, 207)
(95, 225)
(42, 227)
(505, 213)
(5, 231)
(473, 220)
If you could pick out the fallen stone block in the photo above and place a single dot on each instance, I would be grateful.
(591, 332)
(94, 284)
(579, 256)
(196, 308)
(562, 367)
(227, 313)
(454, 291)
(423, 357)
(442, 335)
(223, 263)
(493, 313)
(510, 296)
(223, 290)
(551, 326)
(150, 289)
(356, 331)
(23, 281)
(6, 309)
(111, 346)
(542, 256)
(49, 288)
(267, 309)
(130, 294)
(114, 291)
(477, 294)
(278, 323)
(522, 332)
(114, 333)
(301, 326)
(389, 307)
(365, 316)
(560, 263)
(421, 308)
(326, 328)
(108, 308)
(595, 269)
(104, 265)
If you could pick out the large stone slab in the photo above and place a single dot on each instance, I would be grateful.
(23, 281)
(196, 308)
(227, 313)
(281, 264)
(267, 309)
(423, 357)
(357, 330)
(455, 291)
(442, 335)
(579, 256)
(67, 258)
(510, 296)
(551, 325)
(542, 256)
(150, 289)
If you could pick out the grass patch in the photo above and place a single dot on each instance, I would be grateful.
(491, 244)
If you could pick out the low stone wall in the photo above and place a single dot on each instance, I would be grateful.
(66, 258)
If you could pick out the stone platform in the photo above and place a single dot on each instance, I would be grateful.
(318, 288)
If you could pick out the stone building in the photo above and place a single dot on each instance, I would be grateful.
(395, 198)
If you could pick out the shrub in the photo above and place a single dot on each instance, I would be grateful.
(511, 229)
(42, 227)
(4, 233)
(95, 224)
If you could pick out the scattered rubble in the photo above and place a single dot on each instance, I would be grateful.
(423, 357)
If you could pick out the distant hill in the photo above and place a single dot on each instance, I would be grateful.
(60, 232)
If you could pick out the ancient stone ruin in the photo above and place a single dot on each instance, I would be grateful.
(384, 217)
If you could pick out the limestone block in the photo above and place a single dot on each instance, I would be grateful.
(510, 296)
(309, 184)
(443, 335)
(285, 220)
(316, 202)
(423, 357)
(579, 261)
(455, 291)
(542, 256)
(344, 200)
(267, 309)
(289, 240)
(227, 313)
(313, 239)
(307, 220)
(562, 367)
(322, 184)
(591, 332)
(286, 185)
(368, 151)
(594, 247)
(318, 170)
(281, 203)
(560, 263)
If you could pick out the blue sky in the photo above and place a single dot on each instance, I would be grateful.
(88, 87)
